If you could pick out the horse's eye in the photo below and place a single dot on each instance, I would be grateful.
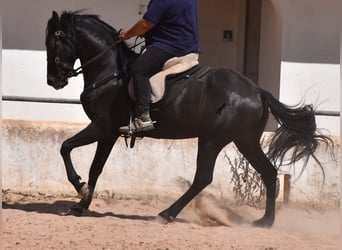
(59, 33)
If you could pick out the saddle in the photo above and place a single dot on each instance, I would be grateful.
(176, 74)
(168, 83)
(175, 83)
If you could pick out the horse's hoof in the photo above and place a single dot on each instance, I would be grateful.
(159, 219)
(84, 191)
(164, 216)
(75, 210)
(264, 222)
(71, 212)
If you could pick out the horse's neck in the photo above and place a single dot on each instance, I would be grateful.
(88, 47)
(116, 60)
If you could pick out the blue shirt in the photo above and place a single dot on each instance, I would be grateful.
(175, 26)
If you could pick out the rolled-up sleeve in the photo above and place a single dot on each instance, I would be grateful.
(155, 11)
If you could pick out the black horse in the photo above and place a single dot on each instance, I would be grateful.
(220, 107)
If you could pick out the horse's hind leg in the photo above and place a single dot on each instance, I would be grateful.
(252, 151)
(206, 157)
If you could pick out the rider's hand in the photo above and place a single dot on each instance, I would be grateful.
(122, 35)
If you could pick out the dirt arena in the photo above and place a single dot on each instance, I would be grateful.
(34, 222)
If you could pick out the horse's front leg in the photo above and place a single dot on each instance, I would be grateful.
(102, 152)
(84, 137)
(92, 133)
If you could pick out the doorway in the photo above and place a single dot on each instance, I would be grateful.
(230, 35)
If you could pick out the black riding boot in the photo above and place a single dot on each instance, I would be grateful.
(141, 123)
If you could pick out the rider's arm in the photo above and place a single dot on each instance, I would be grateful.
(139, 29)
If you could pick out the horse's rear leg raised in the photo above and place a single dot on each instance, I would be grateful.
(206, 157)
(257, 158)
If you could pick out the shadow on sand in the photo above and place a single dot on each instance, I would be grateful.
(61, 206)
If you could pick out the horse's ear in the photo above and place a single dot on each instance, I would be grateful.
(53, 23)
(55, 16)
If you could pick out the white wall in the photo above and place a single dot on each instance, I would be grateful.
(25, 75)
(310, 55)
(318, 84)
(32, 163)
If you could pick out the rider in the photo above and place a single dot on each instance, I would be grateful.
(170, 28)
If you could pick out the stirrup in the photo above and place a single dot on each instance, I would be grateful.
(138, 125)
(130, 135)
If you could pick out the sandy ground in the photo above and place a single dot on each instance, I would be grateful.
(34, 222)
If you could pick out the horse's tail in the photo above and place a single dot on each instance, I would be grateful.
(297, 131)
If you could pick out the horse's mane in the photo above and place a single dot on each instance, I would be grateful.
(68, 19)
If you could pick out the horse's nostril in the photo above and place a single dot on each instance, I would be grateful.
(56, 82)
(50, 80)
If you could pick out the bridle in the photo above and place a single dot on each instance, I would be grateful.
(59, 34)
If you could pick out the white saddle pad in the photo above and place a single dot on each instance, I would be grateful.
(172, 66)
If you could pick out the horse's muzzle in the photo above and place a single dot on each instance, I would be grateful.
(56, 82)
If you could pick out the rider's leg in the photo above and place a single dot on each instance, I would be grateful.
(148, 64)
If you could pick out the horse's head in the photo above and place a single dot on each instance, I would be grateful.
(61, 54)
(72, 36)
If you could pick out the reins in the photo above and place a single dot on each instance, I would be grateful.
(79, 70)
